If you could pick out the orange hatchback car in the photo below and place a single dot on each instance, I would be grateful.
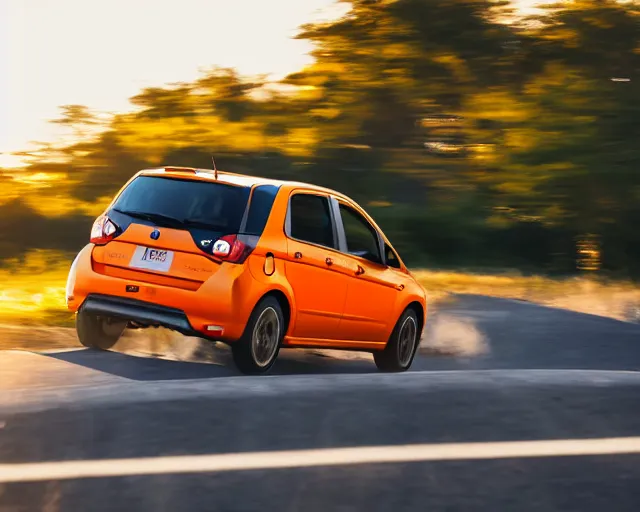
(258, 264)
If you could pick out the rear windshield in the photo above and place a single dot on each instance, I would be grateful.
(215, 205)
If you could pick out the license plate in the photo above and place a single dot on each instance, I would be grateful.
(147, 258)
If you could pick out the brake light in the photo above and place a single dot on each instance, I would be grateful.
(234, 248)
(103, 230)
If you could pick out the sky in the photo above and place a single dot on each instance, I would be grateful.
(100, 53)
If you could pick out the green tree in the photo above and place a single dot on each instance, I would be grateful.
(225, 92)
(165, 103)
(79, 118)
(474, 136)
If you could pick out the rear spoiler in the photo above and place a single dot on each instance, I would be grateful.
(180, 169)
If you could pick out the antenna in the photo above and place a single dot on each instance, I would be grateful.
(215, 169)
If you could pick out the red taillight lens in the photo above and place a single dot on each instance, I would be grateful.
(103, 230)
(234, 248)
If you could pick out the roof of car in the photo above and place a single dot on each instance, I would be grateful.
(230, 178)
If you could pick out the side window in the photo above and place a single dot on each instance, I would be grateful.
(260, 209)
(311, 220)
(391, 257)
(362, 239)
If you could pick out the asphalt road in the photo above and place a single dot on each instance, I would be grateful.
(465, 431)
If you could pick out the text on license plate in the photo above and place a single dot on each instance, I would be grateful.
(152, 259)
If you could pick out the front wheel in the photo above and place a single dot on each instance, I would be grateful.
(401, 348)
(256, 351)
(98, 331)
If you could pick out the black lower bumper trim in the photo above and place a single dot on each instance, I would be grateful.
(140, 312)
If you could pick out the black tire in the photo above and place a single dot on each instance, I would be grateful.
(98, 332)
(402, 346)
(257, 350)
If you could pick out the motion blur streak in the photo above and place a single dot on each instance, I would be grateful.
(65, 470)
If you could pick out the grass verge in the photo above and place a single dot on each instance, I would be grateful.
(32, 290)
(591, 295)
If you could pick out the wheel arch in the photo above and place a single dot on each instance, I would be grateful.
(284, 302)
(420, 312)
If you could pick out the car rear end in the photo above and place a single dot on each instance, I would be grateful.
(171, 250)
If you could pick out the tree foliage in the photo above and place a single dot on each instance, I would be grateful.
(477, 137)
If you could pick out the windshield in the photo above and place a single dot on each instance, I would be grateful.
(173, 202)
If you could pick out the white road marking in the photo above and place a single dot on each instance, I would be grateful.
(66, 470)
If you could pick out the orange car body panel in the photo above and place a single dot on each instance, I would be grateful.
(335, 299)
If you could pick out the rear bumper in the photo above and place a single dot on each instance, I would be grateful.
(140, 312)
(226, 300)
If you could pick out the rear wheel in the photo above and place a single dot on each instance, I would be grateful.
(401, 348)
(98, 331)
(256, 351)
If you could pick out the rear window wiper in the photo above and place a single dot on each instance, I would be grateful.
(153, 217)
(173, 221)
(203, 225)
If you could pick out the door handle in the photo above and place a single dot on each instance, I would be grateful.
(329, 261)
(400, 287)
(360, 271)
(297, 255)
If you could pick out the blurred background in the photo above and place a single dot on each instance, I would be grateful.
(497, 143)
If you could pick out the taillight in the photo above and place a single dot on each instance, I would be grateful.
(103, 230)
(234, 248)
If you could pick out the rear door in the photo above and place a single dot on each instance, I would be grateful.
(312, 267)
(373, 287)
(167, 227)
